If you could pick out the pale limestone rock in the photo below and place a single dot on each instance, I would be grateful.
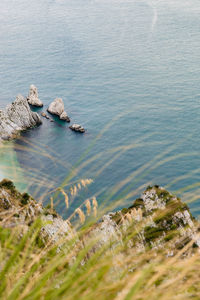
(17, 116)
(107, 231)
(57, 108)
(7, 127)
(56, 228)
(152, 201)
(64, 117)
(185, 217)
(33, 97)
(20, 113)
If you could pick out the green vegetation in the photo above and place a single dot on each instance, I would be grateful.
(25, 198)
(8, 184)
(82, 265)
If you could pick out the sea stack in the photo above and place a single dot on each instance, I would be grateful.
(33, 97)
(57, 108)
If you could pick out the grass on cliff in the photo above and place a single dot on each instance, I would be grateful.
(30, 269)
(71, 269)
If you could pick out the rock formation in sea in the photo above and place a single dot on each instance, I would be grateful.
(64, 117)
(57, 108)
(16, 117)
(77, 128)
(33, 97)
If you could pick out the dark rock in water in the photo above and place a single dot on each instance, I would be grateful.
(57, 108)
(17, 117)
(77, 128)
(45, 115)
(33, 97)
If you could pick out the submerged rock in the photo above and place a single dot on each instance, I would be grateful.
(77, 128)
(45, 115)
(57, 108)
(33, 97)
(17, 116)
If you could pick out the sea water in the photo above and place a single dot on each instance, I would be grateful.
(128, 71)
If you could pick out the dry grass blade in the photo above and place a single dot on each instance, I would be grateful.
(51, 204)
(95, 205)
(81, 215)
(66, 197)
(88, 206)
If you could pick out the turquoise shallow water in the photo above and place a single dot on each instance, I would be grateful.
(128, 71)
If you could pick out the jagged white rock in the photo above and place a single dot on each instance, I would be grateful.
(152, 201)
(107, 230)
(56, 228)
(33, 98)
(16, 117)
(57, 108)
(17, 213)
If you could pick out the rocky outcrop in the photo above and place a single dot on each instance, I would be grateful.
(16, 117)
(157, 220)
(161, 220)
(77, 128)
(64, 117)
(57, 108)
(33, 97)
(18, 209)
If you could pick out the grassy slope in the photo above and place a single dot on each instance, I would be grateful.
(82, 267)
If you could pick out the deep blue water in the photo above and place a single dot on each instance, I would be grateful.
(128, 71)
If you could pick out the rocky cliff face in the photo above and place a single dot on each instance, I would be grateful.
(157, 220)
(16, 117)
(18, 209)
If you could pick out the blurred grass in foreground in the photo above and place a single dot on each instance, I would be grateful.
(29, 270)
(71, 269)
